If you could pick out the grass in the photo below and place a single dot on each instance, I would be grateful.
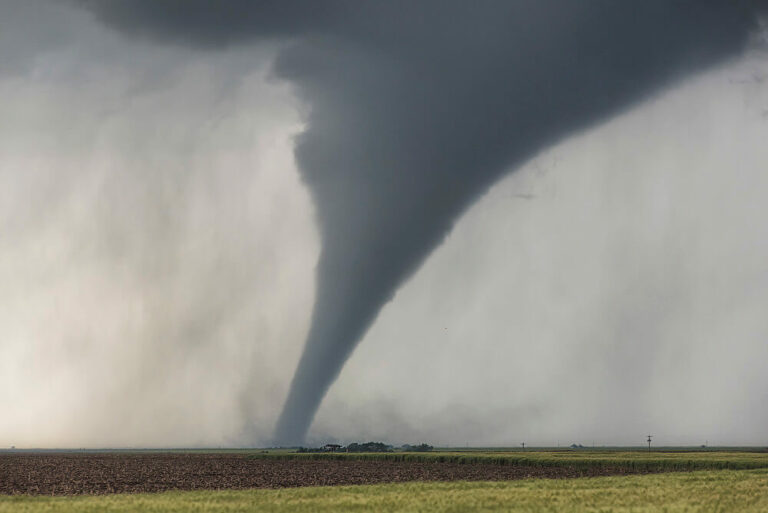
(722, 491)
(636, 460)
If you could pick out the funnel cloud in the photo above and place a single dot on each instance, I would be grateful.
(414, 109)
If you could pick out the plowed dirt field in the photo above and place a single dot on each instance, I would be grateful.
(89, 473)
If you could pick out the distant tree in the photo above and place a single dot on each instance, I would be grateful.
(369, 447)
(418, 448)
(310, 449)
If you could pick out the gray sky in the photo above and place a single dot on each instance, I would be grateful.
(159, 252)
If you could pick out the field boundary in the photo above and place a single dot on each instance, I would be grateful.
(585, 460)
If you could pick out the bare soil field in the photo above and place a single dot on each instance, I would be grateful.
(104, 473)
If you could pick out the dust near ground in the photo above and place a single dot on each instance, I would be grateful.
(77, 474)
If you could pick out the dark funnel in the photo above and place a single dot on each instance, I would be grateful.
(416, 107)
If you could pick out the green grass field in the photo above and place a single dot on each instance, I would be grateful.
(721, 491)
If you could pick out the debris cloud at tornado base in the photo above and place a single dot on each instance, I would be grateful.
(416, 108)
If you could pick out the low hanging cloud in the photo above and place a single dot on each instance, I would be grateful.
(415, 108)
(613, 286)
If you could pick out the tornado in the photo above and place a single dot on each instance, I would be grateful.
(416, 107)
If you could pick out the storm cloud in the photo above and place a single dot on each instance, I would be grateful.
(414, 109)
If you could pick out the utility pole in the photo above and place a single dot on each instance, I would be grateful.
(649, 442)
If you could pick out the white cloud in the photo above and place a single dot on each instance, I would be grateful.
(158, 248)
